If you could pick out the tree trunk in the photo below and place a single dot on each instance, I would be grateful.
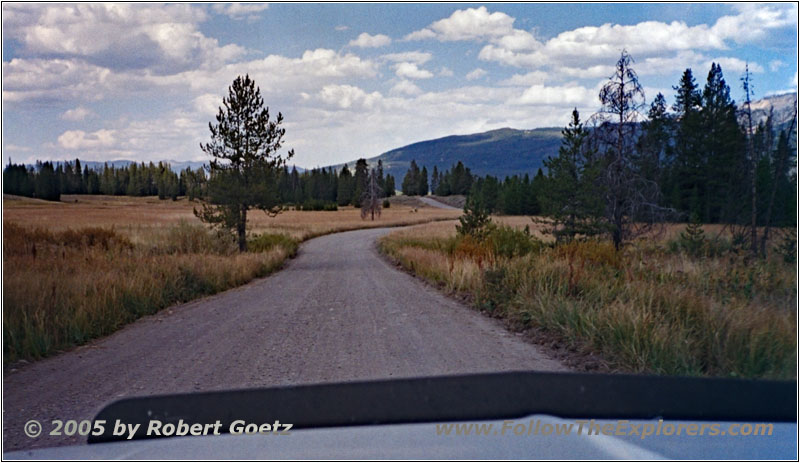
(241, 229)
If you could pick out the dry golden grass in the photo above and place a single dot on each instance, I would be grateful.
(304, 225)
(135, 215)
(83, 267)
(645, 309)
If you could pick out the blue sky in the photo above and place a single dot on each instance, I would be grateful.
(142, 81)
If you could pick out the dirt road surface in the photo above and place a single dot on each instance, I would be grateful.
(434, 203)
(337, 312)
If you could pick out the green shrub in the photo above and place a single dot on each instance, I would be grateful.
(475, 222)
(386, 204)
(510, 242)
(692, 240)
(267, 241)
(317, 205)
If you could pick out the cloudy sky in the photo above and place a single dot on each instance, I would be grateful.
(142, 81)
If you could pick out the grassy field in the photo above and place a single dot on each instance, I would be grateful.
(651, 308)
(83, 267)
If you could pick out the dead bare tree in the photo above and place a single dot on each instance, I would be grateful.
(783, 155)
(632, 201)
(371, 198)
(748, 90)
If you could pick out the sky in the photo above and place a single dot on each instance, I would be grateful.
(142, 81)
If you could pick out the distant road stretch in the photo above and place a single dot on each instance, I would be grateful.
(432, 202)
(338, 312)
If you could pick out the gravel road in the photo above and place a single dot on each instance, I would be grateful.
(337, 312)
(434, 203)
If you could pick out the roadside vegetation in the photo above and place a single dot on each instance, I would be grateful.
(85, 267)
(675, 306)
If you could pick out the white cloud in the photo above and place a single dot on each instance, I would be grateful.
(239, 11)
(347, 96)
(78, 139)
(421, 34)
(754, 21)
(341, 28)
(445, 72)
(365, 40)
(417, 57)
(406, 87)
(411, 71)
(207, 104)
(77, 114)
(569, 95)
(161, 38)
(525, 80)
(586, 52)
(469, 24)
(793, 80)
(476, 73)
(276, 74)
(53, 80)
(734, 65)
(776, 64)
(17, 148)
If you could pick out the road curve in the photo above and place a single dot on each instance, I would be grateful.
(337, 312)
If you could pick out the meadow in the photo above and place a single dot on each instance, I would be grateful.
(655, 307)
(84, 267)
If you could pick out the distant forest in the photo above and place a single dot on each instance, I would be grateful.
(314, 189)
(700, 158)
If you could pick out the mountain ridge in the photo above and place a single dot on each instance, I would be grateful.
(508, 151)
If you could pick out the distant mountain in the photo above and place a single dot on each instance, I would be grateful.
(499, 152)
(509, 151)
(782, 105)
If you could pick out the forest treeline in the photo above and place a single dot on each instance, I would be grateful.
(323, 188)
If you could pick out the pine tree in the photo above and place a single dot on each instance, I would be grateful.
(693, 238)
(244, 145)
(422, 188)
(360, 181)
(389, 186)
(47, 185)
(411, 181)
(434, 179)
(475, 221)
(572, 199)
(723, 147)
(344, 195)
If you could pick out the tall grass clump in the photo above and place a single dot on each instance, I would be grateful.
(64, 288)
(673, 309)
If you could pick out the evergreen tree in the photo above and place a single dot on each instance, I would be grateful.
(411, 181)
(344, 195)
(360, 181)
(389, 186)
(724, 156)
(572, 199)
(244, 145)
(47, 185)
(422, 188)
(434, 179)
